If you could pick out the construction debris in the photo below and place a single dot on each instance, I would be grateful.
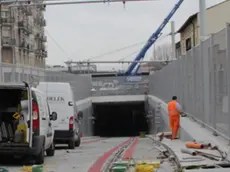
(194, 145)
(164, 134)
(34, 168)
(204, 154)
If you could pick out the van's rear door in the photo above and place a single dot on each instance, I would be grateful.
(30, 112)
(60, 103)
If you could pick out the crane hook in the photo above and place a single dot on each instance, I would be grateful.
(123, 3)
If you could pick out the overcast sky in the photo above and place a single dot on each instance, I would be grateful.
(89, 30)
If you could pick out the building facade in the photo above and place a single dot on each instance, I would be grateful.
(23, 41)
(216, 18)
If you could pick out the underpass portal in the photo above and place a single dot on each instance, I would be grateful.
(119, 119)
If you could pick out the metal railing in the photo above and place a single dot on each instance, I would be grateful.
(201, 80)
(119, 85)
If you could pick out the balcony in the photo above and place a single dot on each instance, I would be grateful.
(29, 29)
(43, 47)
(44, 39)
(22, 45)
(25, 27)
(30, 48)
(37, 36)
(42, 7)
(28, 11)
(43, 22)
(21, 24)
(7, 21)
(38, 52)
(8, 42)
(45, 54)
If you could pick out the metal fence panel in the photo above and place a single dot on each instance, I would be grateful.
(187, 78)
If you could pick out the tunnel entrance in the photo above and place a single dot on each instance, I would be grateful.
(119, 119)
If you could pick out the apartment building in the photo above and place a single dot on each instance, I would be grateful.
(216, 18)
(23, 41)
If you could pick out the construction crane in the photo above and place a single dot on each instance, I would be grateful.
(151, 41)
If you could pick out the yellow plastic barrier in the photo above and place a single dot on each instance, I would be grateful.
(142, 134)
(147, 167)
(144, 168)
(27, 168)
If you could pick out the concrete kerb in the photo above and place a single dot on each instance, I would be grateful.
(191, 128)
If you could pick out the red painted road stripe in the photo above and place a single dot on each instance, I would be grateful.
(96, 167)
(92, 141)
(129, 152)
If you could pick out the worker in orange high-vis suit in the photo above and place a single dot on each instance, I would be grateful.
(174, 111)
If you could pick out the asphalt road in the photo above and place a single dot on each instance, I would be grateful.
(95, 152)
(80, 159)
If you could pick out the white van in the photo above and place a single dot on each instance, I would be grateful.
(25, 123)
(61, 99)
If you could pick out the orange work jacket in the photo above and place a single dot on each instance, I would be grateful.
(172, 109)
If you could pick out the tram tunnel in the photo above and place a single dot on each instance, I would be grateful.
(118, 119)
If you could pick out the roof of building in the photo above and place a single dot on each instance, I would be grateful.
(192, 17)
(188, 21)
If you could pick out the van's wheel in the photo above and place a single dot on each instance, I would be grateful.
(51, 150)
(78, 141)
(39, 159)
(71, 144)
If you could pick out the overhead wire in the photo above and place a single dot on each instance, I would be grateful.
(131, 54)
(115, 51)
(121, 49)
(56, 43)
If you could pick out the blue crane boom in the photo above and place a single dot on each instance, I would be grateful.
(152, 39)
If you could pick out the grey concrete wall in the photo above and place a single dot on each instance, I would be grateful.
(81, 84)
(161, 121)
(85, 106)
(87, 123)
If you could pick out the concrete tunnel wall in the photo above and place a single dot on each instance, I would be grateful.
(154, 107)
(86, 107)
(189, 129)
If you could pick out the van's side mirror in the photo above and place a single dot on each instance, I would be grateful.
(70, 103)
(53, 116)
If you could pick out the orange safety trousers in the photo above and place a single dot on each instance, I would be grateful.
(174, 118)
(174, 125)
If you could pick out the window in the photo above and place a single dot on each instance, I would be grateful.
(188, 44)
(5, 14)
(6, 31)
